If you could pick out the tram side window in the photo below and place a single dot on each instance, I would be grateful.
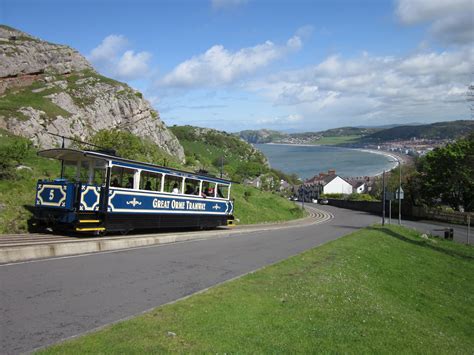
(208, 189)
(223, 191)
(192, 187)
(173, 184)
(122, 177)
(150, 181)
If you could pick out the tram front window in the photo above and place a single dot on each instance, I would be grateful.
(223, 191)
(69, 170)
(85, 172)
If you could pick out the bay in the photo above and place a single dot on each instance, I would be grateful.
(307, 161)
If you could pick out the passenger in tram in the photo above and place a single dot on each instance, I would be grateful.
(189, 190)
(175, 189)
(129, 183)
(148, 185)
(115, 183)
(210, 192)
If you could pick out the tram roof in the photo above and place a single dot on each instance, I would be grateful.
(77, 154)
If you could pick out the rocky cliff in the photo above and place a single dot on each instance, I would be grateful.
(47, 87)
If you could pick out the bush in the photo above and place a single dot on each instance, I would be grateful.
(335, 196)
(360, 197)
(12, 153)
(129, 146)
(247, 194)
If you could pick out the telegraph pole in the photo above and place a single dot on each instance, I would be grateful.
(400, 193)
(383, 198)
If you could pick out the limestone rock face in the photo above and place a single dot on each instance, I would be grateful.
(24, 54)
(51, 88)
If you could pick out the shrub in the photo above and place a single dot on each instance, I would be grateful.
(335, 196)
(360, 197)
(12, 153)
(130, 146)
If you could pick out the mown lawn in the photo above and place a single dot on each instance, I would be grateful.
(377, 290)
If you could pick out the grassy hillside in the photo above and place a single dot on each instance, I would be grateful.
(20, 168)
(207, 149)
(18, 185)
(261, 136)
(337, 140)
(439, 130)
(378, 290)
(361, 135)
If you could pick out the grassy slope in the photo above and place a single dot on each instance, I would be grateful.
(205, 148)
(256, 206)
(376, 290)
(19, 190)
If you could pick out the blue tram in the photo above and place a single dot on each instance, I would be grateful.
(99, 192)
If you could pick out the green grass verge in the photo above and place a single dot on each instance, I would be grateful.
(256, 206)
(337, 140)
(378, 290)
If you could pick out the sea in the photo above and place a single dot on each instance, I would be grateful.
(309, 160)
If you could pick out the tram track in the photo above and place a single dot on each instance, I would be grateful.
(22, 247)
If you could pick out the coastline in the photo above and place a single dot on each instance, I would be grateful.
(393, 156)
(404, 159)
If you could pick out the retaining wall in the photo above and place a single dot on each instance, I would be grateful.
(408, 211)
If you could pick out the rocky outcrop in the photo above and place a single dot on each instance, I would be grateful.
(47, 88)
(24, 54)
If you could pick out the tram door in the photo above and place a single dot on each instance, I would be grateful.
(104, 193)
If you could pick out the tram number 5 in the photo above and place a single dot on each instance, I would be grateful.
(51, 194)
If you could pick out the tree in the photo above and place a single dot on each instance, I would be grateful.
(447, 174)
(130, 146)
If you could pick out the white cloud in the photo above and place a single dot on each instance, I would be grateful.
(419, 86)
(111, 58)
(451, 20)
(287, 120)
(220, 66)
(131, 65)
(110, 47)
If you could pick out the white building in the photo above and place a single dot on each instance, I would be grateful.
(334, 184)
(359, 187)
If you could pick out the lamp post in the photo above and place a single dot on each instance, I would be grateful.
(383, 198)
(399, 193)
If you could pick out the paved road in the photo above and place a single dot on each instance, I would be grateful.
(45, 301)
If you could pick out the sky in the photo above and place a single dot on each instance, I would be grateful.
(293, 66)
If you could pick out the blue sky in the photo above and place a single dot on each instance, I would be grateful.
(287, 65)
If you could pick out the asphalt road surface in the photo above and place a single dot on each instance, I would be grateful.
(45, 301)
